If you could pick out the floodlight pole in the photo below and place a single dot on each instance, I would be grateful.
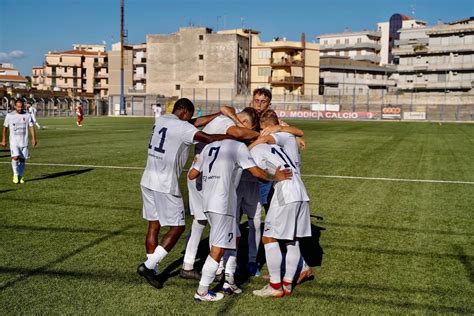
(122, 103)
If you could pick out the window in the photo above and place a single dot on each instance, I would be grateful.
(201, 37)
(178, 87)
(359, 40)
(201, 57)
(201, 78)
(346, 41)
(338, 41)
(263, 54)
(325, 42)
(264, 71)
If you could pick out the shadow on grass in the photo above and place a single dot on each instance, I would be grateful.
(466, 262)
(61, 174)
(5, 191)
(47, 266)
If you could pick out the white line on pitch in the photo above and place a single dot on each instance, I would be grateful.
(304, 175)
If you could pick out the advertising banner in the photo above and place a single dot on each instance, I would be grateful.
(414, 115)
(391, 113)
(318, 115)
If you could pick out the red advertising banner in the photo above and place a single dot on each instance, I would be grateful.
(319, 115)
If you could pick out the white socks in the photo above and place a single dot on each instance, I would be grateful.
(255, 234)
(193, 243)
(293, 256)
(273, 257)
(231, 266)
(207, 275)
(155, 257)
(15, 165)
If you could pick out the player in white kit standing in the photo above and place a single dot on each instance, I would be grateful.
(32, 110)
(162, 202)
(220, 125)
(288, 219)
(221, 164)
(18, 123)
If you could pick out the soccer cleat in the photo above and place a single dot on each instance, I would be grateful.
(304, 275)
(22, 180)
(230, 289)
(15, 179)
(149, 275)
(210, 296)
(252, 268)
(190, 274)
(287, 289)
(268, 291)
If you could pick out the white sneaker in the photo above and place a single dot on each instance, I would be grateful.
(208, 297)
(268, 291)
(230, 289)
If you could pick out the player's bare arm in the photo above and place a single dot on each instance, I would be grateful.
(279, 175)
(283, 128)
(242, 133)
(208, 138)
(230, 113)
(203, 120)
(193, 174)
(34, 142)
(4, 137)
(267, 139)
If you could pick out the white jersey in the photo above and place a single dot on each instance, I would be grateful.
(288, 142)
(32, 110)
(270, 157)
(18, 124)
(157, 112)
(167, 153)
(219, 125)
(221, 165)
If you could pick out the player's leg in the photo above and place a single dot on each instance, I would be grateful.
(221, 237)
(254, 214)
(303, 219)
(273, 257)
(15, 154)
(230, 286)
(22, 164)
(188, 272)
(292, 259)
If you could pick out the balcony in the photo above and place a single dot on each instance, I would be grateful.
(372, 58)
(285, 62)
(288, 80)
(101, 64)
(139, 77)
(439, 86)
(100, 86)
(349, 46)
(100, 75)
(137, 90)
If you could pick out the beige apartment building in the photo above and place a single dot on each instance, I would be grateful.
(195, 61)
(437, 59)
(285, 67)
(84, 69)
(10, 77)
(363, 45)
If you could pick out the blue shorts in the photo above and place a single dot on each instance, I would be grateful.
(265, 188)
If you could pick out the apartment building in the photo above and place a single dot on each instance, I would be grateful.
(437, 59)
(10, 77)
(285, 67)
(363, 45)
(344, 76)
(198, 60)
(84, 69)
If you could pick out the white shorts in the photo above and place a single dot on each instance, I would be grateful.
(195, 199)
(21, 152)
(248, 197)
(223, 232)
(288, 221)
(163, 207)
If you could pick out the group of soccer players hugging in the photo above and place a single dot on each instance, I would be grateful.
(242, 160)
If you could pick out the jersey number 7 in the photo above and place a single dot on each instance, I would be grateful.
(216, 149)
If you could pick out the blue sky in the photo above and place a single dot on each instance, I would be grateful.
(31, 28)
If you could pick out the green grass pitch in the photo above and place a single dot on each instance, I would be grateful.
(73, 235)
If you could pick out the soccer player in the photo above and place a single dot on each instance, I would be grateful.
(288, 219)
(220, 125)
(269, 122)
(221, 164)
(162, 203)
(18, 123)
(252, 194)
(79, 114)
(157, 111)
(32, 110)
